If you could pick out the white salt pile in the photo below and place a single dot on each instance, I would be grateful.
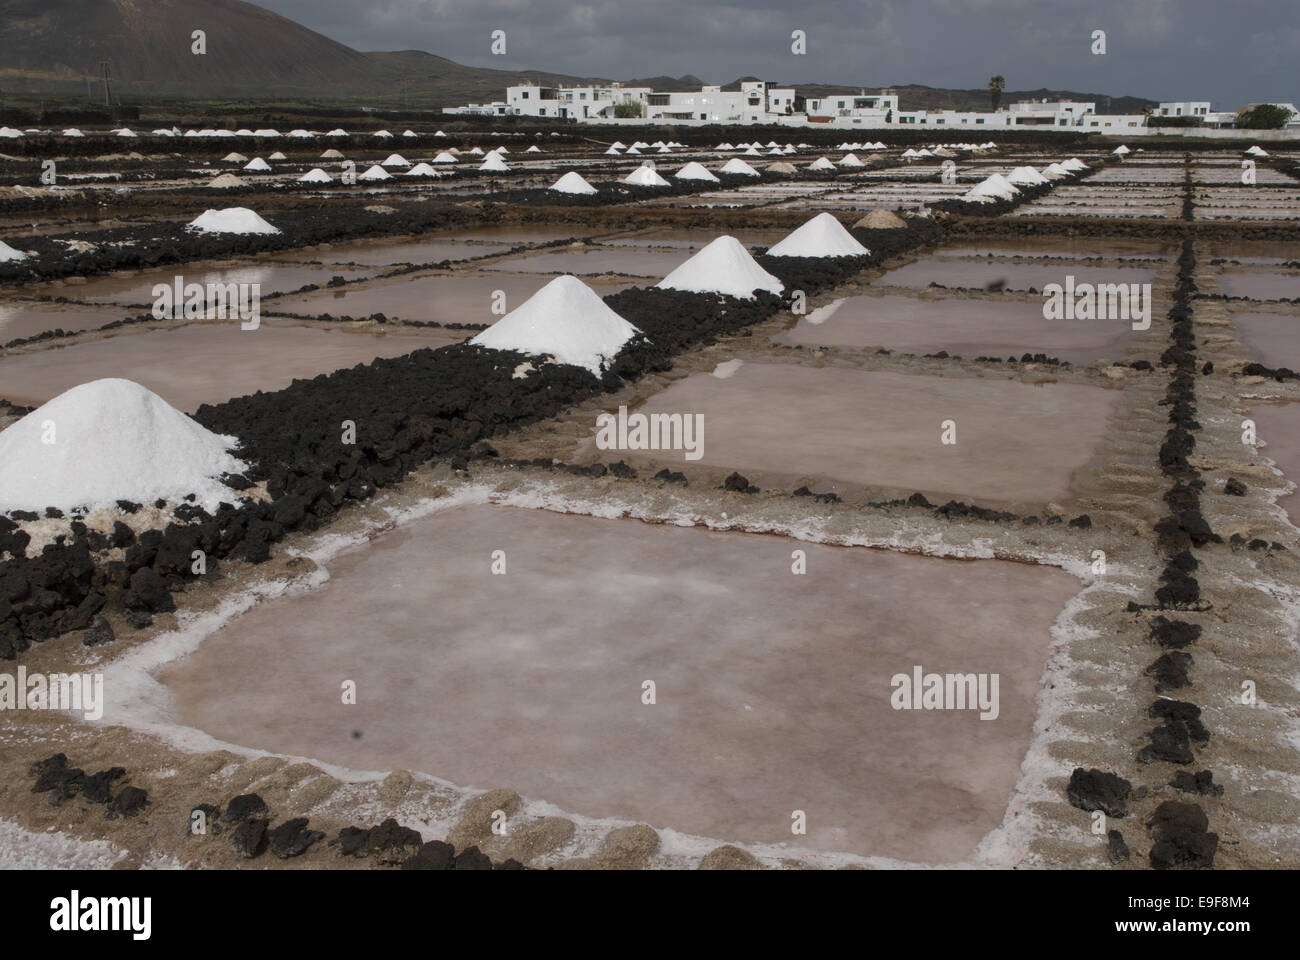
(1025, 176)
(395, 160)
(315, 175)
(301, 134)
(851, 160)
(234, 158)
(439, 134)
(444, 157)
(126, 132)
(619, 145)
(533, 149)
(645, 177)
(821, 163)
(382, 134)
(408, 133)
(753, 152)
(1121, 150)
(727, 369)
(641, 145)
(566, 320)
(822, 236)
(736, 165)
(73, 132)
(1074, 165)
(781, 167)
(1257, 151)
(375, 173)
(257, 163)
(882, 219)
(1054, 171)
(225, 181)
(995, 187)
(612, 152)
(112, 440)
(909, 153)
(9, 255)
(724, 266)
(572, 182)
(337, 132)
(632, 150)
(266, 132)
(230, 220)
(724, 146)
(494, 162)
(331, 155)
(477, 151)
(422, 170)
(694, 171)
(277, 156)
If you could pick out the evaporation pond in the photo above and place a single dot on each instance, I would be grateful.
(137, 287)
(962, 327)
(981, 274)
(459, 299)
(206, 363)
(784, 424)
(772, 690)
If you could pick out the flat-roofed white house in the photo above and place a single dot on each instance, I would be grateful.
(1183, 108)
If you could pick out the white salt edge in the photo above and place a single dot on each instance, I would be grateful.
(822, 236)
(723, 266)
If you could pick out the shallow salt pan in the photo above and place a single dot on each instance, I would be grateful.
(777, 423)
(772, 690)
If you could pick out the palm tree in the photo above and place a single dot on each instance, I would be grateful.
(996, 86)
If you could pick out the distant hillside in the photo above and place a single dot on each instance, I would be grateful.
(59, 46)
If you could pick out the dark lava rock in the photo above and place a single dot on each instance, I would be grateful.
(128, 803)
(149, 592)
(1181, 838)
(472, 858)
(434, 855)
(622, 470)
(1201, 783)
(292, 838)
(54, 774)
(139, 619)
(918, 500)
(249, 838)
(738, 484)
(242, 807)
(1081, 522)
(351, 841)
(1096, 790)
(390, 842)
(99, 632)
(670, 476)
(1116, 848)
(1174, 634)
(1170, 671)
(1181, 710)
(1170, 743)
(127, 506)
(95, 787)
(1234, 487)
(121, 536)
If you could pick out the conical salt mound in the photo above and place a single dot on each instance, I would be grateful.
(257, 163)
(736, 165)
(821, 163)
(8, 254)
(695, 171)
(225, 181)
(724, 266)
(1121, 150)
(645, 177)
(822, 236)
(882, 219)
(331, 154)
(395, 160)
(444, 157)
(1054, 171)
(494, 162)
(315, 175)
(572, 182)
(234, 158)
(375, 173)
(993, 187)
(1025, 176)
(1074, 165)
(422, 170)
(781, 166)
(112, 440)
(566, 320)
(230, 220)
(851, 160)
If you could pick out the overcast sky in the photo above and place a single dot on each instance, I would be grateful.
(1229, 51)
